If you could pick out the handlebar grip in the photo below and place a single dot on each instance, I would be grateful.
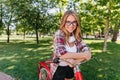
(56, 60)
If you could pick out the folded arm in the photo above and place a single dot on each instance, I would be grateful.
(82, 56)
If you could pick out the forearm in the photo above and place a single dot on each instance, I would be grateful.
(79, 60)
(73, 62)
(83, 55)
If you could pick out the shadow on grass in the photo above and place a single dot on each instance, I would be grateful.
(20, 59)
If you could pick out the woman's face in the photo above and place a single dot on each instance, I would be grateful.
(70, 24)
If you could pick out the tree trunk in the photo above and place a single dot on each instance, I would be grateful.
(8, 29)
(115, 32)
(36, 28)
(8, 34)
(24, 34)
(106, 35)
(1, 23)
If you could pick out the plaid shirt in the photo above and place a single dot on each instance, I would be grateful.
(59, 47)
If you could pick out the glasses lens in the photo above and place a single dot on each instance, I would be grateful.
(74, 23)
(68, 23)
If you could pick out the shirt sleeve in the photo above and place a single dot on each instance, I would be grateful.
(84, 46)
(59, 43)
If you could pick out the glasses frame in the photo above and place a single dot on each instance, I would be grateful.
(68, 23)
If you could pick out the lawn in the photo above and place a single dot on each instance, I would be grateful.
(20, 59)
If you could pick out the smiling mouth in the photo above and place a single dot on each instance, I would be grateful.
(71, 29)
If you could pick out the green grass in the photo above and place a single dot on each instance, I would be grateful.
(20, 59)
(103, 66)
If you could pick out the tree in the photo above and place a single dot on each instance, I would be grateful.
(1, 13)
(7, 17)
(115, 21)
(115, 33)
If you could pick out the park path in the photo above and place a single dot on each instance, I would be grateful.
(4, 76)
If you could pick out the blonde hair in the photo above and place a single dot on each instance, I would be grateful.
(77, 31)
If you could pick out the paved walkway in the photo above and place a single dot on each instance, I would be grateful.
(4, 76)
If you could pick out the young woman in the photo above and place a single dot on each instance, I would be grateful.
(68, 45)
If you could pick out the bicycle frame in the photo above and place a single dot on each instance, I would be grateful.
(78, 74)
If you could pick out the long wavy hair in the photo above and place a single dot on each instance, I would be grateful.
(77, 31)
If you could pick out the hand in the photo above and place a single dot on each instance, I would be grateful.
(70, 62)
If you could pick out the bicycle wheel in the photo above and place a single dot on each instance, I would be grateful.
(43, 74)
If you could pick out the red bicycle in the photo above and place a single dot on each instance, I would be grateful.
(44, 71)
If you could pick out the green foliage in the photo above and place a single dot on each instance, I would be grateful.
(36, 15)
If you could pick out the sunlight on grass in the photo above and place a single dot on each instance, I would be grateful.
(93, 41)
(109, 52)
(11, 67)
(100, 69)
(94, 51)
(9, 57)
(26, 56)
(29, 49)
(14, 60)
(100, 75)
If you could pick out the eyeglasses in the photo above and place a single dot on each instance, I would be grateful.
(74, 23)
